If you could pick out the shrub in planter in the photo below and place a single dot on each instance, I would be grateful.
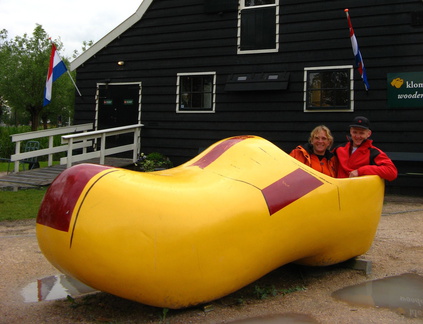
(153, 162)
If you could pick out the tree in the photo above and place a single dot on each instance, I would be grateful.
(24, 63)
(85, 46)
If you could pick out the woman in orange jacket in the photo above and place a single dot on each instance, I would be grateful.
(316, 152)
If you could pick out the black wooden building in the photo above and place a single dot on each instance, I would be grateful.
(197, 71)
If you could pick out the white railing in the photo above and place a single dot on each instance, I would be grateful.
(71, 140)
(50, 133)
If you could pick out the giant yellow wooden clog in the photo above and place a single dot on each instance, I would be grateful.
(207, 228)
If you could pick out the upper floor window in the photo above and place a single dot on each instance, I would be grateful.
(328, 89)
(250, 3)
(196, 92)
(258, 22)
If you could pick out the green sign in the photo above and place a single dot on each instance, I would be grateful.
(405, 89)
(107, 102)
(128, 101)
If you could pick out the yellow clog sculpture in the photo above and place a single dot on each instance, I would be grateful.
(200, 231)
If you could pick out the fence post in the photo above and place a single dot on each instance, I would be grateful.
(17, 151)
(50, 146)
(70, 149)
(103, 148)
(136, 151)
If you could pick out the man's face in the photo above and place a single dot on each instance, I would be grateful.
(358, 135)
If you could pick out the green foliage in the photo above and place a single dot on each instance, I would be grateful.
(265, 292)
(85, 45)
(163, 315)
(24, 64)
(7, 148)
(153, 161)
(291, 290)
(20, 204)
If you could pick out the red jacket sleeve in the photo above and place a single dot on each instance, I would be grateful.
(384, 168)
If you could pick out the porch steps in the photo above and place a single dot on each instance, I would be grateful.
(44, 176)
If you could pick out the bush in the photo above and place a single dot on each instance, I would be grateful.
(7, 148)
(153, 161)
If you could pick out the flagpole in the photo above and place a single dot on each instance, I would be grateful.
(356, 51)
(70, 76)
(67, 70)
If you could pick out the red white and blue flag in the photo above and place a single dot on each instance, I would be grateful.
(56, 68)
(358, 58)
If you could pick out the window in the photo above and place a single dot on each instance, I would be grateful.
(196, 92)
(258, 26)
(328, 89)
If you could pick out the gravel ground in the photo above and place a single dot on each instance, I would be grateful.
(302, 294)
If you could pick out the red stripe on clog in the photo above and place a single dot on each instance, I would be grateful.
(59, 202)
(288, 189)
(218, 150)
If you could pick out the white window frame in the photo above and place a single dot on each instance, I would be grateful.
(335, 67)
(210, 111)
(270, 50)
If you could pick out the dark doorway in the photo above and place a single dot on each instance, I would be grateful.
(118, 105)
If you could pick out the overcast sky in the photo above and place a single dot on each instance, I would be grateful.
(73, 21)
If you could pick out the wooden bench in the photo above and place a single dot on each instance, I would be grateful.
(411, 159)
(405, 156)
(410, 173)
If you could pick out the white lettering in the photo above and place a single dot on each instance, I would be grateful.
(412, 84)
(415, 95)
(413, 300)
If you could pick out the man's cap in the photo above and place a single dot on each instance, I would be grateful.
(361, 122)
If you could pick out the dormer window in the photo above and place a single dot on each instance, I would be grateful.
(258, 25)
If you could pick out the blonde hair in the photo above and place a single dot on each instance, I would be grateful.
(321, 128)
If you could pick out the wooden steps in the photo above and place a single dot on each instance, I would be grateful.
(44, 176)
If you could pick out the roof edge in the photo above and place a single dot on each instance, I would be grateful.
(109, 37)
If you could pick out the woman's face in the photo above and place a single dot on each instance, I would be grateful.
(320, 142)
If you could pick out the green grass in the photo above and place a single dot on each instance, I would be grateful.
(3, 166)
(22, 204)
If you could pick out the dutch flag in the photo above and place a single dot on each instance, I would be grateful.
(358, 58)
(56, 68)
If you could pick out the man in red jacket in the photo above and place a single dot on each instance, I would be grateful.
(359, 157)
